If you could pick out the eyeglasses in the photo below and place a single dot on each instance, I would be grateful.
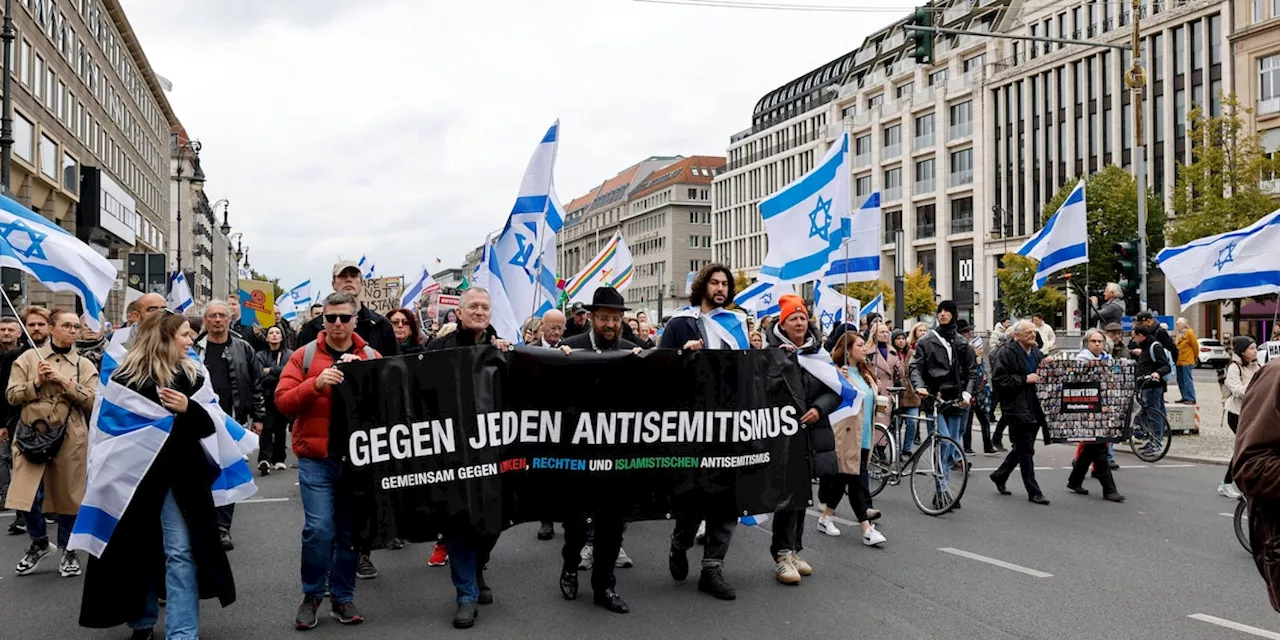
(73, 327)
(150, 309)
(338, 318)
(400, 322)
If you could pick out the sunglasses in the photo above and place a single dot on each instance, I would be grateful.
(400, 322)
(338, 318)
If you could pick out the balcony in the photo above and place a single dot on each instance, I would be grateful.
(891, 194)
(924, 141)
(960, 178)
(957, 11)
(898, 38)
(902, 66)
(925, 186)
(924, 231)
(891, 235)
(866, 55)
(892, 151)
(862, 161)
(1270, 105)
(961, 130)
(962, 222)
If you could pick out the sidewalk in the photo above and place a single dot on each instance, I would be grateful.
(1215, 443)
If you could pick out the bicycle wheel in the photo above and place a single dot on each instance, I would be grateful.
(1242, 530)
(1145, 444)
(939, 475)
(884, 452)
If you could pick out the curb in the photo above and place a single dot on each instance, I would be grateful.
(1182, 457)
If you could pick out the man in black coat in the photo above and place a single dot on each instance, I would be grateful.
(944, 368)
(1014, 380)
(370, 325)
(1154, 363)
(605, 334)
(577, 322)
(712, 288)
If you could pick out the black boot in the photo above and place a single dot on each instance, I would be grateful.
(547, 531)
(678, 563)
(610, 600)
(569, 584)
(486, 594)
(465, 618)
(712, 582)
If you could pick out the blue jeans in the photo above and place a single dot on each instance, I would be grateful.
(1153, 397)
(36, 527)
(1186, 385)
(952, 424)
(909, 415)
(327, 550)
(462, 568)
(182, 611)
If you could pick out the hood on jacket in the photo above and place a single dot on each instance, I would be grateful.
(812, 344)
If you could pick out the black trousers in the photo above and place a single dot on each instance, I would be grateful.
(271, 445)
(608, 540)
(719, 534)
(997, 439)
(968, 428)
(1023, 437)
(1233, 422)
(788, 532)
(832, 488)
(224, 515)
(1093, 453)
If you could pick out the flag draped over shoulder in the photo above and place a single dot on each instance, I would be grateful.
(127, 432)
(728, 327)
(1239, 264)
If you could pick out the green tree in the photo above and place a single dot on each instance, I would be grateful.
(866, 291)
(262, 277)
(1016, 278)
(917, 288)
(1221, 190)
(740, 284)
(1111, 196)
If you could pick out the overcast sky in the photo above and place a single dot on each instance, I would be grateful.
(400, 128)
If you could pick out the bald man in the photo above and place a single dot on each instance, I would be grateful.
(552, 328)
(149, 304)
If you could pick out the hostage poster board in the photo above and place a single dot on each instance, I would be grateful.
(447, 308)
(478, 440)
(382, 294)
(1086, 401)
(257, 303)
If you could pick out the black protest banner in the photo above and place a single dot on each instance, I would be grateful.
(477, 439)
(1086, 401)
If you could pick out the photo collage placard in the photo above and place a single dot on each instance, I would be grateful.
(1086, 401)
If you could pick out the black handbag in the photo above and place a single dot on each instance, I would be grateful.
(39, 447)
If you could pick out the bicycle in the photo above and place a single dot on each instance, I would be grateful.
(1242, 529)
(1144, 423)
(939, 457)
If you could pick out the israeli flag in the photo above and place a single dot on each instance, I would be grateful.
(805, 221)
(179, 298)
(369, 273)
(833, 307)
(1064, 240)
(425, 286)
(858, 256)
(762, 297)
(297, 298)
(244, 273)
(726, 329)
(127, 432)
(518, 276)
(874, 306)
(55, 257)
(820, 365)
(1238, 264)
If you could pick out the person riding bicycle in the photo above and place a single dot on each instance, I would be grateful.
(1154, 363)
(943, 368)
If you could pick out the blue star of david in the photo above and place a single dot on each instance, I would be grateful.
(33, 238)
(767, 299)
(820, 228)
(827, 318)
(523, 255)
(1225, 255)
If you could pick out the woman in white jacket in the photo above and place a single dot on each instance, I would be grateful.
(1240, 371)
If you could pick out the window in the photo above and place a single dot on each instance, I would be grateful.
(905, 90)
(926, 222)
(1156, 44)
(961, 215)
(925, 173)
(892, 141)
(875, 101)
(1197, 45)
(1269, 78)
(893, 184)
(59, 100)
(961, 167)
(940, 77)
(1215, 39)
(962, 119)
(975, 63)
(38, 78)
(70, 173)
(1179, 51)
(924, 127)
(693, 194)
(1257, 11)
(51, 79)
(26, 63)
(693, 242)
(862, 145)
(23, 138)
(863, 187)
(48, 157)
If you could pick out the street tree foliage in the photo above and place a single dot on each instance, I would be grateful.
(1111, 196)
(866, 291)
(275, 282)
(918, 293)
(1221, 190)
(740, 284)
(1016, 278)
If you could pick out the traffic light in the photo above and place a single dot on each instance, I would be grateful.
(921, 41)
(1127, 267)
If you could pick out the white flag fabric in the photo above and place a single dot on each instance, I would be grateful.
(761, 298)
(516, 261)
(858, 256)
(806, 220)
(1239, 264)
(179, 298)
(296, 300)
(873, 307)
(54, 256)
(832, 307)
(820, 365)
(612, 267)
(425, 286)
(1064, 240)
(727, 329)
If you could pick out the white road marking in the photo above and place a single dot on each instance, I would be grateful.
(999, 563)
(1236, 626)
(258, 500)
(1232, 515)
(838, 519)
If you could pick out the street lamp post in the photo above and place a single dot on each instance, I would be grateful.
(6, 111)
(197, 183)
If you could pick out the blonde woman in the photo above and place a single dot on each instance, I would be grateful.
(532, 330)
(170, 523)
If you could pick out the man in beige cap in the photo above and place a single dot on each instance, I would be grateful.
(370, 325)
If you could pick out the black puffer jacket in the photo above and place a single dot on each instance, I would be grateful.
(461, 338)
(822, 440)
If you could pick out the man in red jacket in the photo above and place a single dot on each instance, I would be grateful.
(305, 393)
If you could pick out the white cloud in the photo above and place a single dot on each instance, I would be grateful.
(400, 129)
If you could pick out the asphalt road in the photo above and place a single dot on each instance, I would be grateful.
(1079, 568)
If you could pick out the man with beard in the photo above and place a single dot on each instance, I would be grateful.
(577, 320)
(712, 288)
(605, 334)
(370, 325)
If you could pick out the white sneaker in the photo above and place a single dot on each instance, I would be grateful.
(701, 536)
(624, 560)
(873, 537)
(280, 466)
(828, 526)
(587, 558)
(1229, 490)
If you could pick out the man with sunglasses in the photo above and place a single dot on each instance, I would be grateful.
(371, 326)
(305, 393)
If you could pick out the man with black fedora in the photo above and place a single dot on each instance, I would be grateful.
(602, 550)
